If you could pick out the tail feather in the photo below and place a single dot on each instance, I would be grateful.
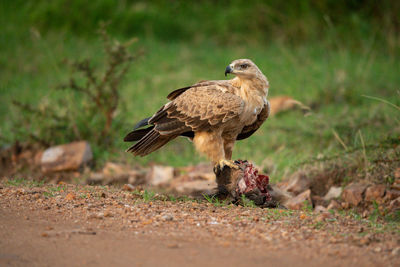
(142, 123)
(143, 142)
(149, 143)
(137, 134)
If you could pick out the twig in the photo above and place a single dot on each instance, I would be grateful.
(339, 139)
(364, 152)
(382, 100)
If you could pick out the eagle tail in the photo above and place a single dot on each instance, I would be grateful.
(136, 135)
(150, 142)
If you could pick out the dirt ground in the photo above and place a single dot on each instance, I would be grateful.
(69, 225)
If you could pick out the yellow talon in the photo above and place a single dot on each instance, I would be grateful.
(224, 162)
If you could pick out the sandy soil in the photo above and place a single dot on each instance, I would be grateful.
(68, 225)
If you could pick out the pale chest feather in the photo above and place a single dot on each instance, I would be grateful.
(253, 104)
(251, 110)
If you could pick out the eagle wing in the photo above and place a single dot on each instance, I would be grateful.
(201, 107)
(252, 128)
(223, 85)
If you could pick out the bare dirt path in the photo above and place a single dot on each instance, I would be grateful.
(86, 226)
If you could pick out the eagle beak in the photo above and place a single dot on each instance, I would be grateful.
(228, 70)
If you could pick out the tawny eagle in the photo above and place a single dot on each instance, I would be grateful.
(214, 114)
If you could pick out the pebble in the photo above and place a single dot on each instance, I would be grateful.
(167, 217)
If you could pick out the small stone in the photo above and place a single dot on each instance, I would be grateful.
(334, 192)
(68, 157)
(172, 245)
(353, 193)
(108, 213)
(70, 196)
(303, 216)
(99, 215)
(44, 234)
(167, 217)
(375, 192)
(128, 187)
(378, 249)
(319, 209)
(159, 175)
(323, 217)
(364, 241)
(298, 183)
(365, 214)
(299, 201)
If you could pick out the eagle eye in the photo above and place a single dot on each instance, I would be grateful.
(244, 66)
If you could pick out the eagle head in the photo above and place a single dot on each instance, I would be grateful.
(243, 68)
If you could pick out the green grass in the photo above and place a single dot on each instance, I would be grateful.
(330, 76)
(23, 182)
(215, 201)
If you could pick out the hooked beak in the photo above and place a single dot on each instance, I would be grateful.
(228, 70)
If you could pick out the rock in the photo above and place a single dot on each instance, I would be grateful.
(202, 171)
(320, 209)
(299, 201)
(38, 158)
(334, 192)
(197, 186)
(333, 205)
(392, 194)
(95, 178)
(137, 177)
(279, 195)
(375, 192)
(68, 157)
(115, 173)
(353, 193)
(114, 169)
(159, 175)
(298, 183)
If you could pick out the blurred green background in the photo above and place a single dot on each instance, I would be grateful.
(327, 54)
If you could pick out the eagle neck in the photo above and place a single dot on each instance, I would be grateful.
(253, 89)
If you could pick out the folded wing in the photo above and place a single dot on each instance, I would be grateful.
(199, 108)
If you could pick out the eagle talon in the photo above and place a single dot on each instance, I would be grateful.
(224, 162)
